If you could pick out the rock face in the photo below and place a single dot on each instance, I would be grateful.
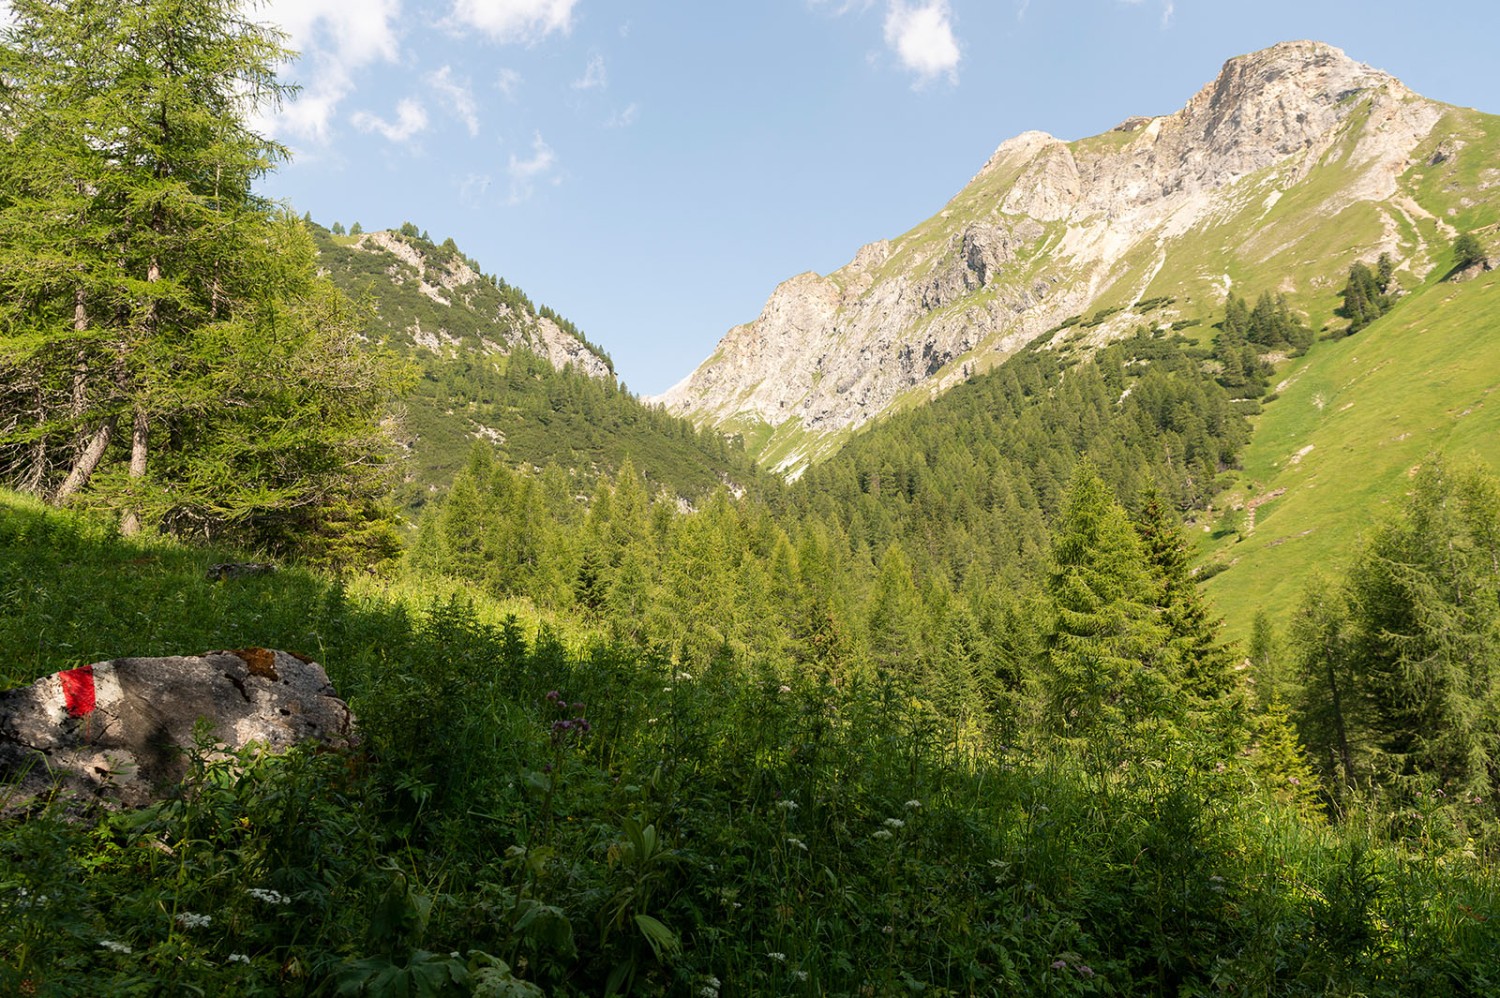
(117, 731)
(1049, 229)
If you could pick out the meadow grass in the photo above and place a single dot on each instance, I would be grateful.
(716, 827)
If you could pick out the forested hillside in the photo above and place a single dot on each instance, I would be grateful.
(494, 366)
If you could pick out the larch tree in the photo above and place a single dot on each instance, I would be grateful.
(166, 346)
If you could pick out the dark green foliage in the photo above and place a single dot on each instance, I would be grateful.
(167, 349)
(1367, 294)
(1111, 676)
(736, 824)
(1467, 251)
(1399, 665)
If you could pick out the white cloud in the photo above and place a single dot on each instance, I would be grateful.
(411, 118)
(838, 8)
(1021, 7)
(594, 77)
(472, 188)
(508, 83)
(922, 38)
(336, 39)
(524, 173)
(624, 118)
(515, 20)
(457, 97)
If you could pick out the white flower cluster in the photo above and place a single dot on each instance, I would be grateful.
(786, 805)
(268, 896)
(894, 823)
(192, 920)
(238, 958)
(113, 946)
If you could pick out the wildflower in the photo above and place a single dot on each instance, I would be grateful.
(1059, 965)
(1085, 970)
(1294, 781)
(707, 992)
(238, 958)
(784, 688)
(554, 696)
(894, 823)
(889, 930)
(913, 805)
(269, 897)
(883, 833)
(778, 957)
(192, 920)
(787, 805)
(796, 842)
(114, 947)
(684, 677)
(800, 975)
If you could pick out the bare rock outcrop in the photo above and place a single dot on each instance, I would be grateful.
(118, 731)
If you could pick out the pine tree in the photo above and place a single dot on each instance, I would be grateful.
(1213, 702)
(1109, 675)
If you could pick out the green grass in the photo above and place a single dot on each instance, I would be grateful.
(1371, 407)
(721, 827)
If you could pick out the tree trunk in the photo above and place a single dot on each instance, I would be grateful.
(80, 375)
(131, 522)
(83, 468)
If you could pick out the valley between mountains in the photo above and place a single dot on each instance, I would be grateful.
(1092, 590)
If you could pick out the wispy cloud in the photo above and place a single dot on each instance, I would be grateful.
(472, 189)
(526, 173)
(514, 20)
(336, 39)
(922, 38)
(1168, 9)
(594, 77)
(838, 8)
(508, 82)
(625, 117)
(411, 119)
(457, 97)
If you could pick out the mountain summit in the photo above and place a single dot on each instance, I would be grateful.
(1294, 162)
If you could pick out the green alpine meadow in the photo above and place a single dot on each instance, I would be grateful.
(1093, 591)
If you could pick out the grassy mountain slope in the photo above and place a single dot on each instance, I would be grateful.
(494, 366)
(1353, 419)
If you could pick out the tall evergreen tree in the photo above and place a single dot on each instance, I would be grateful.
(1110, 676)
(137, 264)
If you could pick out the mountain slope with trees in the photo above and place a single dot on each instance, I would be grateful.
(494, 366)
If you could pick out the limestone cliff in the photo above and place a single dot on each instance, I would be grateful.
(1294, 162)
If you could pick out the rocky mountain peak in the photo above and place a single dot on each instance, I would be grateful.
(1049, 231)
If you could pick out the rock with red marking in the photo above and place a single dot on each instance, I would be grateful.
(118, 731)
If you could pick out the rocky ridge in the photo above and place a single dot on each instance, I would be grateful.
(470, 314)
(1239, 181)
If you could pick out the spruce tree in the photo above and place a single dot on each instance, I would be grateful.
(1109, 674)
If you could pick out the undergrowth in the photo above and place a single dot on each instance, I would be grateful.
(535, 813)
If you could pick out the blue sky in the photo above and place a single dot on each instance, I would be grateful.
(653, 169)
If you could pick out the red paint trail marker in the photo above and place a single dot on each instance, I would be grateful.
(78, 690)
